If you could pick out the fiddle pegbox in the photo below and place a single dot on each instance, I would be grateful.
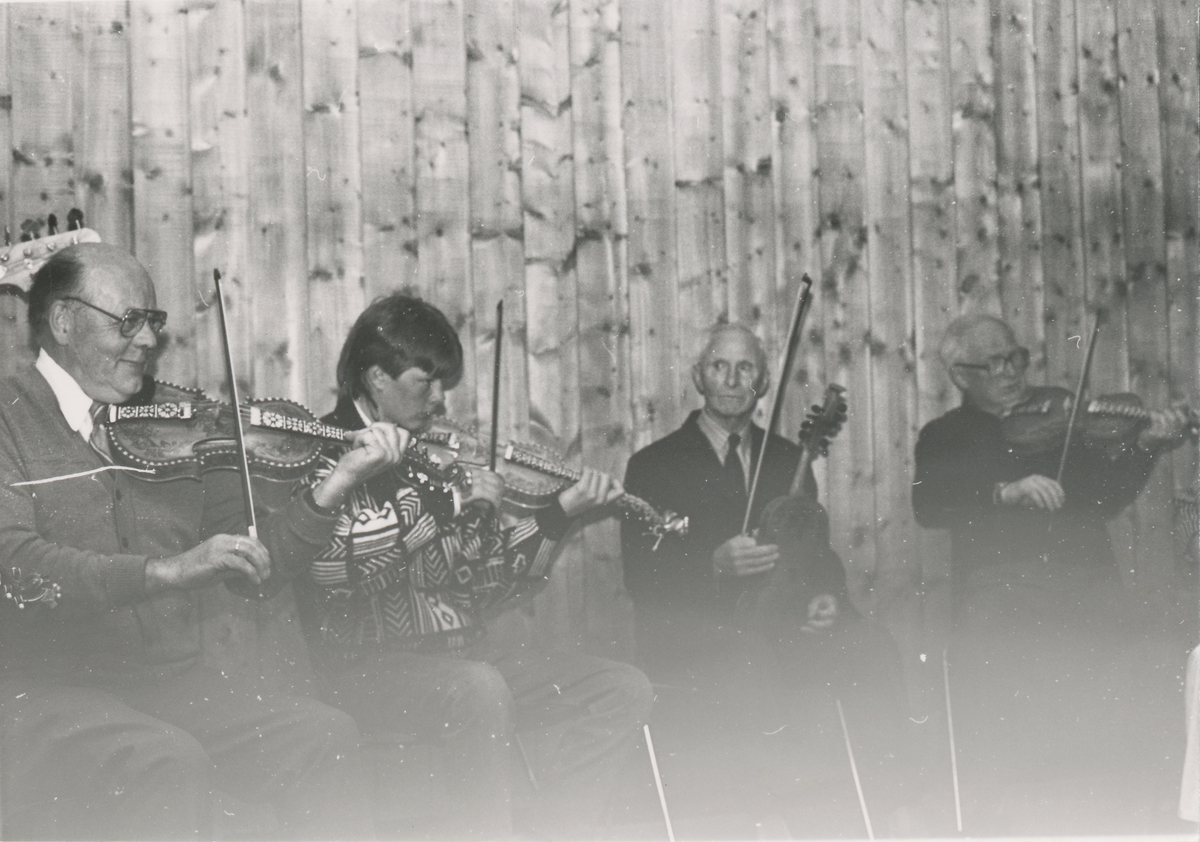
(19, 261)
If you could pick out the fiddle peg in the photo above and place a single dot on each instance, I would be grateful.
(52, 224)
(7, 237)
(74, 219)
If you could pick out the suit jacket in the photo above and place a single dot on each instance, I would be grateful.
(681, 472)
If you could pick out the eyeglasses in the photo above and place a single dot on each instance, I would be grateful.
(1017, 359)
(133, 319)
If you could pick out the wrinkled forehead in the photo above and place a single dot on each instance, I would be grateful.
(731, 345)
(118, 284)
(988, 340)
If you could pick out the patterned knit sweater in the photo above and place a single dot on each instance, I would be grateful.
(403, 571)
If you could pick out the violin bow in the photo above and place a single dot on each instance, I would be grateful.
(1083, 377)
(803, 301)
(496, 386)
(239, 432)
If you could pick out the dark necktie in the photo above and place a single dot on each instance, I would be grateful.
(734, 473)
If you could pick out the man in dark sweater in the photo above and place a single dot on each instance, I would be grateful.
(1039, 612)
(111, 726)
(1021, 540)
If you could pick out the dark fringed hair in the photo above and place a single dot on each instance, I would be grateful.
(396, 333)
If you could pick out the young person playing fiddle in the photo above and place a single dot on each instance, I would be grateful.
(398, 595)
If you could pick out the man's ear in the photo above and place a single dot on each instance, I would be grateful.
(697, 380)
(374, 378)
(958, 379)
(60, 321)
(762, 386)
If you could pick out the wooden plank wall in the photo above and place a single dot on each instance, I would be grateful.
(624, 173)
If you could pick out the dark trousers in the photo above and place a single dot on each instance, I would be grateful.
(141, 761)
(570, 717)
(789, 689)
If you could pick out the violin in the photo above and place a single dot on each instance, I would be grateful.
(175, 432)
(1109, 423)
(808, 567)
(533, 474)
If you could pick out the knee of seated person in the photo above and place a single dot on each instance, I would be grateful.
(328, 726)
(478, 692)
(629, 694)
(170, 758)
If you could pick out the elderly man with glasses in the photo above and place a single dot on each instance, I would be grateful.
(1041, 618)
(111, 725)
(1015, 530)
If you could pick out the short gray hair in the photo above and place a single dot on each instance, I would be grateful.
(954, 341)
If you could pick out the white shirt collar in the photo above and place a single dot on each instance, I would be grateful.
(362, 413)
(76, 406)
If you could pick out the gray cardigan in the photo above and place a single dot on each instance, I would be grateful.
(94, 535)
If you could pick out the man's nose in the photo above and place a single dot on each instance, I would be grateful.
(437, 394)
(732, 377)
(146, 337)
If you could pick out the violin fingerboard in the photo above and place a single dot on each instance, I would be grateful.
(288, 423)
(540, 464)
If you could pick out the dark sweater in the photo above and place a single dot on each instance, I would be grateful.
(962, 455)
(93, 536)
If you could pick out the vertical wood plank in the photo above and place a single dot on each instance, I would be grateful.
(104, 189)
(844, 273)
(1102, 200)
(1018, 191)
(219, 151)
(389, 221)
(976, 217)
(443, 242)
(890, 304)
(935, 297)
(696, 109)
(1179, 31)
(276, 259)
(162, 182)
(497, 234)
(1061, 190)
(14, 333)
(791, 44)
(46, 68)
(1102, 194)
(551, 288)
(1145, 262)
(332, 185)
(654, 273)
(749, 202)
(602, 274)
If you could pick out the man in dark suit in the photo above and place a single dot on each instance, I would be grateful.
(685, 593)
(761, 622)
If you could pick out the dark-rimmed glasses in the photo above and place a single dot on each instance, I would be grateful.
(133, 319)
(1017, 359)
